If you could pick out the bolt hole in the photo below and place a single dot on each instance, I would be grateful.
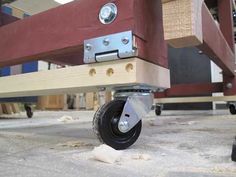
(127, 115)
(129, 67)
(110, 72)
(92, 72)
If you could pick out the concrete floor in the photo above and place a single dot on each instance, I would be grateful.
(181, 144)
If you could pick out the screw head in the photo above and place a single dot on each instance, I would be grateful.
(88, 47)
(200, 52)
(106, 42)
(125, 40)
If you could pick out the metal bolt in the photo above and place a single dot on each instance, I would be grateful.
(101, 89)
(123, 126)
(229, 85)
(125, 40)
(106, 42)
(88, 47)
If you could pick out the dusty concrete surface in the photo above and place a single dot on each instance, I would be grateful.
(180, 144)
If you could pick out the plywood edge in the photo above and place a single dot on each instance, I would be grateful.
(183, 23)
(185, 41)
(84, 78)
(153, 74)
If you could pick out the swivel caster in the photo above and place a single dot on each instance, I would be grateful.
(29, 111)
(232, 108)
(158, 109)
(119, 123)
(105, 126)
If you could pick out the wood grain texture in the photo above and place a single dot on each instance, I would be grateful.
(85, 78)
(183, 23)
(52, 102)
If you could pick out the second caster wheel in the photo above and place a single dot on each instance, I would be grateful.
(29, 111)
(105, 125)
(232, 109)
(158, 110)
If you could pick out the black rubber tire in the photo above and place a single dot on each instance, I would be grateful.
(29, 111)
(105, 126)
(232, 109)
(158, 110)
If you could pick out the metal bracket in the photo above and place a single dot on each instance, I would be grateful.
(137, 106)
(110, 47)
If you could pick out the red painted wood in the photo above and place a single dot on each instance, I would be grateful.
(215, 45)
(61, 31)
(191, 89)
(226, 21)
(0, 12)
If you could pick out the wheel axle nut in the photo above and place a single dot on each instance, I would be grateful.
(229, 86)
(123, 126)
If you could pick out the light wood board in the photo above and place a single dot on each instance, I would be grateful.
(85, 78)
(195, 99)
(183, 23)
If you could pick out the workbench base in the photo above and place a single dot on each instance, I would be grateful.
(86, 78)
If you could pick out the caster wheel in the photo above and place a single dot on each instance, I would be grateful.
(158, 110)
(233, 155)
(105, 126)
(29, 111)
(232, 109)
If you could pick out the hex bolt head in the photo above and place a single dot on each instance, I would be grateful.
(123, 126)
(200, 52)
(125, 40)
(106, 41)
(229, 85)
(88, 47)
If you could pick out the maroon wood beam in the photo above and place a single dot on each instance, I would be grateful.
(191, 90)
(215, 45)
(226, 21)
(211, 3)
(61, 31)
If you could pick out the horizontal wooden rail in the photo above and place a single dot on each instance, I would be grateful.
(85, 78)
(195, 99)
